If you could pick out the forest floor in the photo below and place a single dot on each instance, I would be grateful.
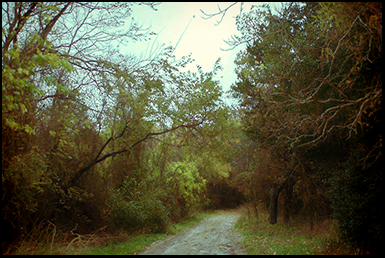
(214, 235)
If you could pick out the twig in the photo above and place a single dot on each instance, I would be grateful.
(223, 12)
(53, 235)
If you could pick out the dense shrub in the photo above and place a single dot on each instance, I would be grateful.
(22, 182)
(132, 210)
(157, 215)
(356, 196)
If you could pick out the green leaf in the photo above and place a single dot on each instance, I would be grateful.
(12, 124)
(87, 123)
(62, 89)
(23, 108)
(29, 130)
(52, 133)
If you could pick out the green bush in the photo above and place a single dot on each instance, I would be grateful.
(22, 182)
(157, 215)
(131, 210)
(127, 215)
(356, 196)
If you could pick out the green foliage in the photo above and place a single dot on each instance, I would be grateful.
(26, 174)
(17, 87)
(23, 182)
(131, 209)
(355, 192)
(187, 181)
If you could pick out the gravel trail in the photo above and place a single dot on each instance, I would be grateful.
(215, 235)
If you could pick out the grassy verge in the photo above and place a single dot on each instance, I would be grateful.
(93, 244)
(133, 245)
(260, 237)
(136, 243)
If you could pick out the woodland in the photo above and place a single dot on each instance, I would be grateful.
(95, 138)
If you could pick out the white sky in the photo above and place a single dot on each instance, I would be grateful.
(202, 38)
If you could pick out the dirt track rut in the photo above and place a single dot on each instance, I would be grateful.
(215, 235)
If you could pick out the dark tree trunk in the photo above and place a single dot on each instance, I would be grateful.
(276, 190)
(288, 197)
(255, 203)
(256, 209)
(311, 220)
(274, 194)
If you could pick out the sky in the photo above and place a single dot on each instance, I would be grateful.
(201, 37)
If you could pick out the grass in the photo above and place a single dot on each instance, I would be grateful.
(138, 242)
(132, 246)
(260, 237)
(103, 244)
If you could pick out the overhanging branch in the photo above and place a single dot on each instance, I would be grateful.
(111, 154)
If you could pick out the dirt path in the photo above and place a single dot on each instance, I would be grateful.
(215, 235)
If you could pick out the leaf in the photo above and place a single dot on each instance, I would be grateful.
(62, 89)
(52, 133)
(29, 129)
(23, 108)
(12, 124)
(87, 123)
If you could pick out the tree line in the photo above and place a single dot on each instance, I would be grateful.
(310, 87)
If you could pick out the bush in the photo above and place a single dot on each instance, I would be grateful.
(22, 182)
(157, 215)
(131, 210)
(127, 215)
(356, 194)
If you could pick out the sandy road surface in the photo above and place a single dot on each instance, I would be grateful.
(215, 235)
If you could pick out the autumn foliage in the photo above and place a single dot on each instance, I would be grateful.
(310, 85)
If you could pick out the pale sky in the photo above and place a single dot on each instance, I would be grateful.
(202, 38)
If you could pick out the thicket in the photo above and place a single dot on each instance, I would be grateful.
(310, 86)
(92, 137)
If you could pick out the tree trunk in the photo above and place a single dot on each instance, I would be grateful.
(162, 165)
(311, 220)
(256, 210)
(288, 197)
(274, 194)
(275, 191)
(278, 187)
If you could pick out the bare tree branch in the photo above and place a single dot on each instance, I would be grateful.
(223, 12)
(14, 30)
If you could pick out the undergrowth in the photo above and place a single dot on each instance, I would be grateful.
(47, 240)
(261, 237)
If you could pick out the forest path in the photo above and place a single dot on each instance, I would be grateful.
(214, 235)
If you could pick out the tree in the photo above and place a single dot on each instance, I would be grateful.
(309, 81)
(71, 101)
